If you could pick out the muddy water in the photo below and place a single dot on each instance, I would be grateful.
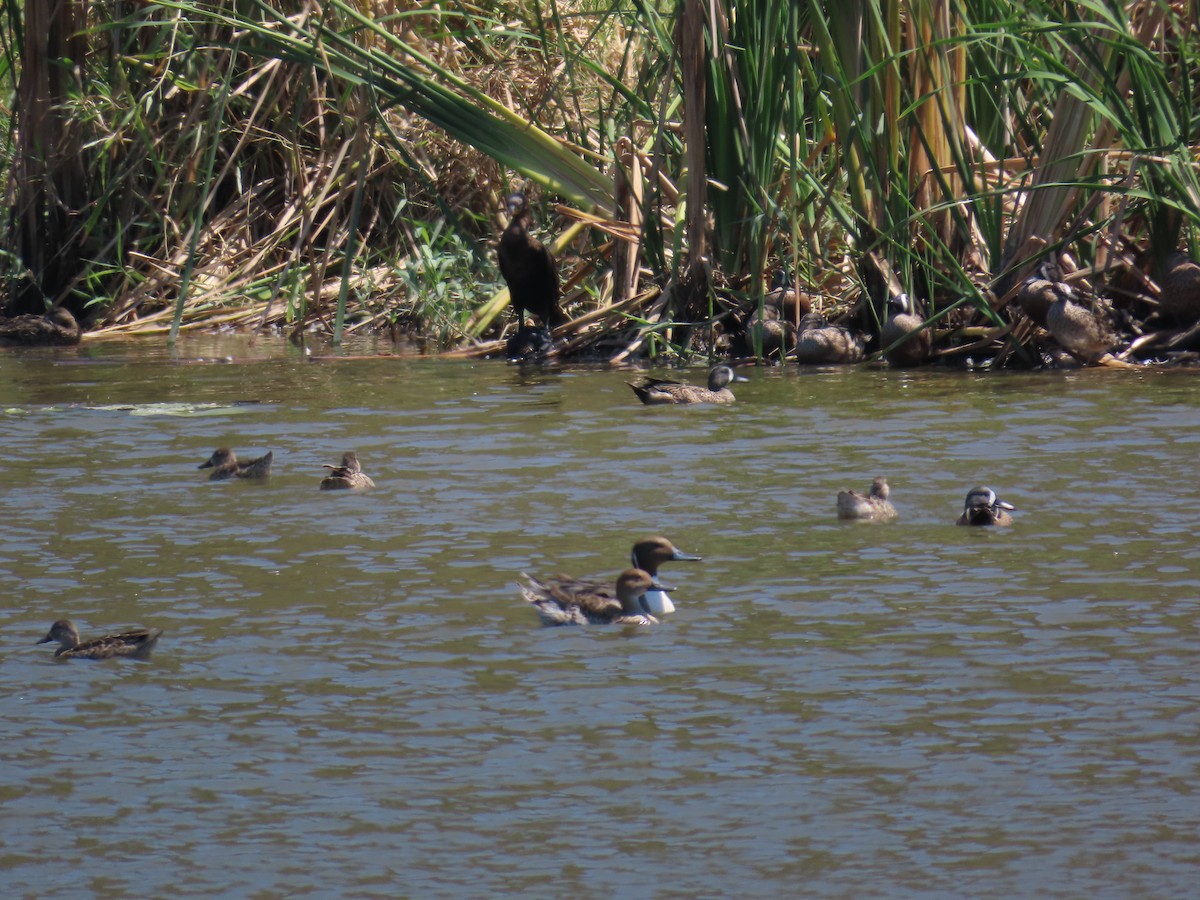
(350, 698)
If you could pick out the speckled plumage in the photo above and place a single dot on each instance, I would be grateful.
(349, 476)
(555, 606)
(225, 465)
(872, 506)
(136, 643)
(648, 554)
(658, 391)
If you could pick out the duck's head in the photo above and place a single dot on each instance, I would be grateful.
(721, 376)
(632, 584)
(63, 631)
(880, 489)
(982, 503)
(221, 457)
(651, 552)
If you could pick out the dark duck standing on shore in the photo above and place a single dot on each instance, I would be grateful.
(531, 273)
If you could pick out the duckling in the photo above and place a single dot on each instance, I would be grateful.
(647, 554)
(819, 343)
(655, 391)
(872, 506)
(585, 607)
(349, 476)
(903, 324)
(983, 507)
(529, 270)
(1180, 297)
(57, 327)
(225, 465)
(136, 643)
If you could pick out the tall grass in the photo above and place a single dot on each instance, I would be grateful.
(934, 147)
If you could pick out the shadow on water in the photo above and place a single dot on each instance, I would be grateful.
(350, 692)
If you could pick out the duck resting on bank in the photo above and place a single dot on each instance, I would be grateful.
(56, 328)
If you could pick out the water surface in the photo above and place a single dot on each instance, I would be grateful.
(350, 697)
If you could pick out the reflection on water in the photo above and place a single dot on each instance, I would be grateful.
(349, 692)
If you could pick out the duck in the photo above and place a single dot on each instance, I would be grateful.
(872, 506)
(1077, 329)
(819, 343)
(556, 607)
(136, 643)
(225, 465)
(349, 476)
(531, 273)
(1180, 297)
(648, 554)
(983, 507)
(657, 391)
(56, 328)
(904, 325)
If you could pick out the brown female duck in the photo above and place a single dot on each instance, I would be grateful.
(983, 507)
(647, 554)
(872, 506)
(657, 391)
(903, 329)
(349, 476)
(56, 328)
(587, 608)
(819, 343)
(136, 643)
(225, 465)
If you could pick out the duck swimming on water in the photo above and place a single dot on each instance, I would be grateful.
(349, 476)
(658, 391)
(587, 608)
(225, 465)
(983, 507)
(135, 643)
(872, 506)
(647, 554)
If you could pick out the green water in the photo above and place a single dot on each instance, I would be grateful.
(350, 697)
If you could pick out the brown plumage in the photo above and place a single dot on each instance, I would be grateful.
(872, 506)
(529, 268)
(904, 325)
(555, 607)
(819, 343)
(1078, 330)
(349, 476)
(658, 391)
(225, 464)
(136, 643)
(56, 328)
(1180, 298)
